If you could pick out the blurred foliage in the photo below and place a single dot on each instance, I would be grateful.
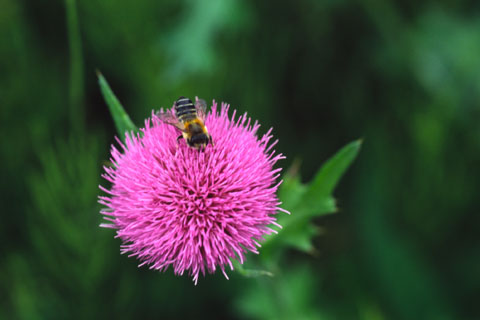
(402, 75)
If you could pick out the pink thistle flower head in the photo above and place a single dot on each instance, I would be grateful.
(173, 205)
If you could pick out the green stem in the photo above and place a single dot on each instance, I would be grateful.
(76, 84)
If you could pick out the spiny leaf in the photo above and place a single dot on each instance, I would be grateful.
(123, 123)
(250, 273)
(330, 173)
(307, 201)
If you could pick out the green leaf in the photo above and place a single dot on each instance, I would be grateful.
(307, 201)
(123, 123)
(250, 273)
(330, 173)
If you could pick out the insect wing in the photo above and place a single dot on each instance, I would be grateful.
(201, 107)
(169, 118)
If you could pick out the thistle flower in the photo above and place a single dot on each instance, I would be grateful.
(193, 210)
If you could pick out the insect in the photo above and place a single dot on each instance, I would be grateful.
(189, 118)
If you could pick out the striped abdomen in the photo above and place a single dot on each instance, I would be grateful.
(185, 109)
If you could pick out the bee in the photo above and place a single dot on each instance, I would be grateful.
(189, 118)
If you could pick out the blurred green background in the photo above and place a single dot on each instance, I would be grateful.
(403, 75)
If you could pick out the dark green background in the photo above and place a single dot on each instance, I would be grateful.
(402, 75)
